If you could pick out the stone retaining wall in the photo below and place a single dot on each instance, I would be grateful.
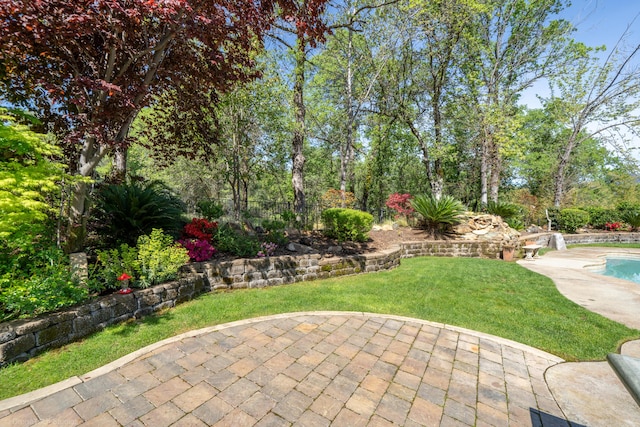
(474, 249)
(22, 339)
(543, 239)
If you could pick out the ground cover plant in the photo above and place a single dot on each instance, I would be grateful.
(499, 298)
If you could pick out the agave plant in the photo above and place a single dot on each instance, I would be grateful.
(438, 214)
(123, 212)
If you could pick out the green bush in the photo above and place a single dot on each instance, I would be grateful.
(347, 224)
(124, 212)
(438, 214)
(112, 263)
(210, 209)
(572, 219)
(599, 217)
(227, 239)
(48, 285)
(274, 231)
(159, 258)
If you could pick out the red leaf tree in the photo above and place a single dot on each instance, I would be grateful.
(89, 66)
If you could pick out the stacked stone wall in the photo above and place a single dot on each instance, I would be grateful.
(22, 339)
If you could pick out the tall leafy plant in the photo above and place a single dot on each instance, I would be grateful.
(127, 211)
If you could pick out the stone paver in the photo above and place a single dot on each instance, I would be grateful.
(312, 369)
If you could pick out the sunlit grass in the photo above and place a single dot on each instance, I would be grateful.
(490, 296)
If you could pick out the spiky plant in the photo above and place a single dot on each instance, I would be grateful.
(632, 217)
(123, 212)
(438, 214)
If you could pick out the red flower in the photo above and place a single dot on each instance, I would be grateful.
(124, 276)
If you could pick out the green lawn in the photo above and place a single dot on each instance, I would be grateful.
(491, 296)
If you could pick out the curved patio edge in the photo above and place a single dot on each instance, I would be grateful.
(572, 272)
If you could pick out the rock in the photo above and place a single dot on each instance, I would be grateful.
(480, 231)
(557, 242)
(534, 229)
(296, 247)
(335, 249)
(485, 227)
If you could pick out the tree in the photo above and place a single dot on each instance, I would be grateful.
(513, 44)
(431, 61)
(227, 151)
(595, 100)
(90, 66)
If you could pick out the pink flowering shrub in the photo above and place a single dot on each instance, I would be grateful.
(267, 249)
(199, 249)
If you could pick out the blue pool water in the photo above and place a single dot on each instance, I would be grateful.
(623, 268)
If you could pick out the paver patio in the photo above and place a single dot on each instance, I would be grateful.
(312, 369)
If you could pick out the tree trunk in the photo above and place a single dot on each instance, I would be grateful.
(297, 154)
(347, 151)
(565, 156)
(90, 156)
(485, 170)
(496, 166)
(119, 172)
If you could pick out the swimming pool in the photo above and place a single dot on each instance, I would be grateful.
(623, 268)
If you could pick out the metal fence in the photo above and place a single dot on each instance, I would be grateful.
(257, 210)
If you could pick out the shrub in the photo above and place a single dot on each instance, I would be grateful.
(401, 203)
(198, 249)
(159, 258)
(613, 226)
(347, 224)
(210, 209)
(274, 231)
(438, 214)
(632, 217)
(200, 229)
(48, 286)
(332, 198)
(127, 211)
(572, 219)
(112, 263)
(267, 249)
(29, 181)
(236, 242)
(599, 217)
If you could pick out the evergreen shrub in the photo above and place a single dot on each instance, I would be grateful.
(571, 219)
(347, 224)
(600, 217)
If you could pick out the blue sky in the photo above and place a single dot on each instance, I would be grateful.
(597, 22)
(601, 22)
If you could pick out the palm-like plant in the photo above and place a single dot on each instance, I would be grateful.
(123, 212)
(632, 217)
(438, 214)
(509, 212)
